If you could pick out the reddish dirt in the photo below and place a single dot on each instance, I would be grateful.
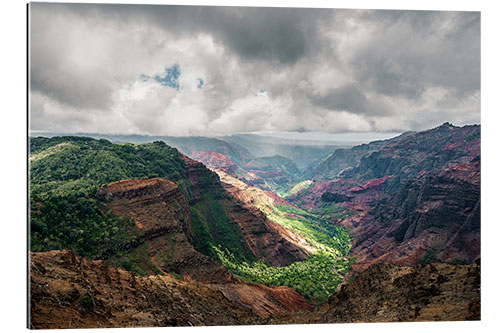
(265, 301)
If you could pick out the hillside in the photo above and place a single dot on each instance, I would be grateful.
(305, 154)
(73, 292)
(417, 198)
(273, 173)
(328, 245)
(270, 172)
(185, 144)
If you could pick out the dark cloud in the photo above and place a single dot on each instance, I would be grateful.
(348, 98)
(410, 51)
(272, 34)
(281, 35)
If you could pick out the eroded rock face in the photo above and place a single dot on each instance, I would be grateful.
(263, 300)
(72, 292)
(202, 180)
(158, 208)
(438, 213)
(264, 238)
(344, 159)
(215, 160)
(389, 293)
(386, 292)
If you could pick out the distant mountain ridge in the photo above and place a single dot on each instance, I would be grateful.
(305, 154)
(272, 164)
(343, 159)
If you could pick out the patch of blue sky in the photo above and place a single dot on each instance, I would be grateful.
(171, 78)
(200, 83)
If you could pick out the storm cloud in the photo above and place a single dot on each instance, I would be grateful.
(188, 70)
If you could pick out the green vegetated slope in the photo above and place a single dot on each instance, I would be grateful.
(65, 172)
(212, 229)
(66, 213)
(318, 276)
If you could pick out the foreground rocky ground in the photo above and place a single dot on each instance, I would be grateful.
(389, 293)
(73, 292)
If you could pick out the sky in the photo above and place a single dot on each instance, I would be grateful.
(211, 71)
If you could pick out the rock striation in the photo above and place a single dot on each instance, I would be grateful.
(161, 211)
(73, 292)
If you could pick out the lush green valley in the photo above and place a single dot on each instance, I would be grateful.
(318, 276)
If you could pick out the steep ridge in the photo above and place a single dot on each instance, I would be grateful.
(389, 293)
(261, 240)
(425, 151)
(276, 173)
(273, 173)
(159, 209)
(422, 293)
(67, 171)
(74, 292)
(215, 160)
(305, 154)
(415, 199)
(266, 302)
(327, 246)
(189, 145)
(344, 159)
(186, 145)
(259, 201)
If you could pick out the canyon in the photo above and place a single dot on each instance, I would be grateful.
(212, 235)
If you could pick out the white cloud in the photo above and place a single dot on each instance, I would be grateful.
(344, 71)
